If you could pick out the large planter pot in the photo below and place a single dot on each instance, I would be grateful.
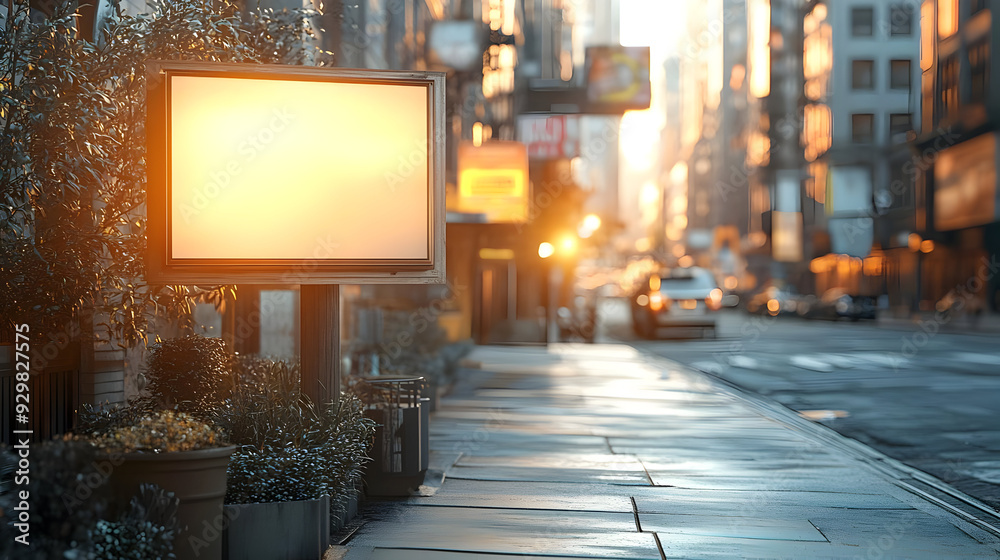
(197, 478)
(339, 520)
(277, 530)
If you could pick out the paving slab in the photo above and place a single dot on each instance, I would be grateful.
(694, 547)
(497, 531)
(541, 474)
(598, 502)
(411, 554)
(799, 530)
(803, 480)
(596, 451)
(759, 502)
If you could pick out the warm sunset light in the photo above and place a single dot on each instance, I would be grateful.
(644, 23)
(587, 275)
(252, 173)
(947, 18)
(567, 245)
(237, 193)
(759, 47)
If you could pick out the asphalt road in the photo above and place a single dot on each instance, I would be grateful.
(931, 401)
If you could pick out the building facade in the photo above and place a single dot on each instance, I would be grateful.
(860, 108)
(957, 153)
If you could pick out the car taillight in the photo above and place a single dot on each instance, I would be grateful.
(714, 299)
(656, 301)
(773, 306)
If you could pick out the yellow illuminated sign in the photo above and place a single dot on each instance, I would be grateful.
(294, 175)
(493, 180)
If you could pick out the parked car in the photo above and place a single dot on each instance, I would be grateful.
(773, 301)
(837, 303)
(678, 298)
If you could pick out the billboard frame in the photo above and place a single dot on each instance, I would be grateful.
(163, 268)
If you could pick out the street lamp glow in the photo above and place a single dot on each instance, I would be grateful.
(546, 250)
(590, 224)
(568, 245)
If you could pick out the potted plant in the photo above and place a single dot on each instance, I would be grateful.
(296, 466)
(69, 513)
(183, 455)
(166, 437)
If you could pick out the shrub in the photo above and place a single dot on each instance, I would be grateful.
(290, 448)
(74, 220)
(191, 374)
(68, 497)
(146, 530)
(95, 421)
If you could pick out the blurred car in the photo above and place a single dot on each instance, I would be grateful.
(678, 298)
(836, 303)
(773, 301)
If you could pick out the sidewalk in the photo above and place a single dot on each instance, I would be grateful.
(598, 451)
(962, 323)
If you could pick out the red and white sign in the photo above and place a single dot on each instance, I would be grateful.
(552, 137)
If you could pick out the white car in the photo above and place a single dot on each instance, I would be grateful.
(679, 298)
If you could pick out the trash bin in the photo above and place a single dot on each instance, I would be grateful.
(400, 453)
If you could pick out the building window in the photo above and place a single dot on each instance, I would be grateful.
(862, 128)
(948, 101)
(901, 20)
(862, 22)
(976, 6)
(947, 20)
(899, 74)
(863, 74)
(979, 69)
(900, 125)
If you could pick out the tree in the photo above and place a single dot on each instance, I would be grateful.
(72, 154)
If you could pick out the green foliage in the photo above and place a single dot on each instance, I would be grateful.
(290, 448)
(72, 154)
(95, 421)
(67, 498)
(190, 374)
(145, 531)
